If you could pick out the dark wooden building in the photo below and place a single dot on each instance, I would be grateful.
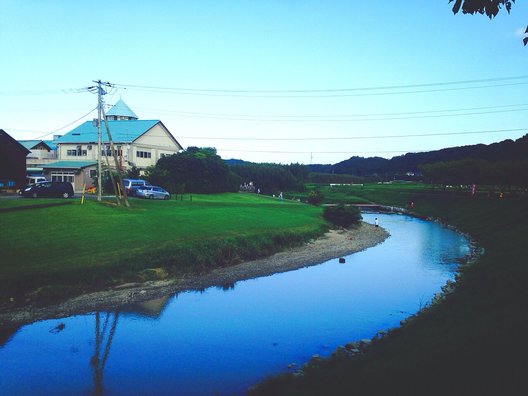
(12, 162)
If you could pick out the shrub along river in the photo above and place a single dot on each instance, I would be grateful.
(221, 341)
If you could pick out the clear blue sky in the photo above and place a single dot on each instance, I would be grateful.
(48, 48)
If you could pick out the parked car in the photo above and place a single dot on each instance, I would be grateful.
(35, 179)
(48, 189)
(131, 185)
(152, 192)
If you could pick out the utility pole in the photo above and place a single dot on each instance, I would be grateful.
(116, 162)
(99, 113)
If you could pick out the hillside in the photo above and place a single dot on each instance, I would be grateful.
(507, 150)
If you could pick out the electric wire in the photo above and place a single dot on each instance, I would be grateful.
(354, 137)
(55, 130)
(320, 120)
(330, 95)
(320, 152)
(309, 116)
(369, 88)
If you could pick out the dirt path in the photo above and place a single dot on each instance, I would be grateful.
(333, 244)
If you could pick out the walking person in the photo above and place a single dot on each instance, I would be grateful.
(376, 222)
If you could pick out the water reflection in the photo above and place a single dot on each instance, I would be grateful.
(6, 333)
(104, 334)
(152, 309)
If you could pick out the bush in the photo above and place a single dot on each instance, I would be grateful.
(341, 215)
(315, 197)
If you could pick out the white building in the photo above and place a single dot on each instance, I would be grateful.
(138, 143)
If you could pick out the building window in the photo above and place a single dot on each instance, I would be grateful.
(63, 176)
(76, 153)
(143, 154)
(108, 151)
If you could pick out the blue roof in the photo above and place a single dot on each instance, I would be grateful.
(124, 131)
(121, 109)
(29, 144)
(51, 144)
(69, 164)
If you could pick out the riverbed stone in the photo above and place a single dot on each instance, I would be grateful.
(351, 345)
(364, 342)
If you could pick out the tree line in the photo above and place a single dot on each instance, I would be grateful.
(504, 174)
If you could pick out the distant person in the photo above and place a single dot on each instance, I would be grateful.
(280, 196)
(376, 222)
(411, 204)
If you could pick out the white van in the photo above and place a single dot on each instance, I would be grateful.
(131, 185)
(35, 179)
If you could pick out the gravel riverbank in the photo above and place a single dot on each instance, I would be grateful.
(335, 243)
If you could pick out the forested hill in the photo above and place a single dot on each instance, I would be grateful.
(507, 150)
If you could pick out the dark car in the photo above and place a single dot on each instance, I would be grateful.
(48, 189)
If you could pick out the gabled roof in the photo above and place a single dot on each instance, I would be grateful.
(68, 164)
(30, 144)
(121, 109)
(125, 131)
(51, 144)
(8, 137)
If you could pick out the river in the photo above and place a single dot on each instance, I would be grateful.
(222, 340)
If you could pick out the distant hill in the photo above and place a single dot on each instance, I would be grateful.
(233, 161)
(507, 150)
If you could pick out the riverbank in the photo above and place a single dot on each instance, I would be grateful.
(333, 244)
(95, 246)
(473, 342)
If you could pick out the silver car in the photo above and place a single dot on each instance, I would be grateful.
(152, 192)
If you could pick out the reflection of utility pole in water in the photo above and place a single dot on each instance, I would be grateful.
(102, 347)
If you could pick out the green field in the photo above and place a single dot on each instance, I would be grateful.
(99, 243)
(362, 193)
(474, 343)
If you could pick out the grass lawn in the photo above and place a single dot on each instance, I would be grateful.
(475, 341)
(75, 242)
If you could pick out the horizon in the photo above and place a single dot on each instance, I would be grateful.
(297, 81)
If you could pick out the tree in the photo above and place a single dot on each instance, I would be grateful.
(271, 178)
(315, 197)
(341, 215)
(198, 170)
(133, 173)
(488, 7)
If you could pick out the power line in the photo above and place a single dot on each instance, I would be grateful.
(328, 115)
(55, 130)
(321, 152)
(73, 122)
(324, 119)
(327, 95)
(355, 137)
(43, 92)
(368, 88)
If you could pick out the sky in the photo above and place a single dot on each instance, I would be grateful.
(281, 81)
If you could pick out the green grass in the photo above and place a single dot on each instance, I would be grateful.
(472, 343)
(88, 243)
(362, 193)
